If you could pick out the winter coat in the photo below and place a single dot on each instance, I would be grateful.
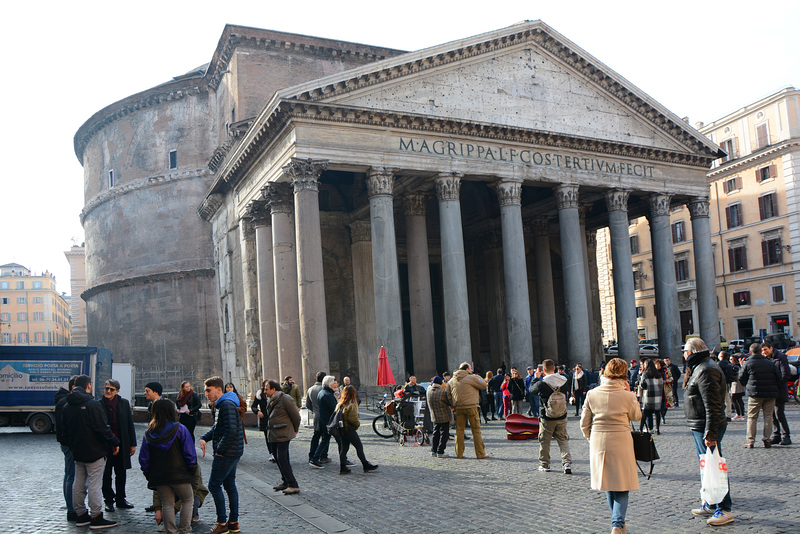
(736, 386)
(294, 392)
(61, 402)
(86, 428)
(605, 422)
(781, 363)
(227, 434)
(653, 392)
(544, 387)
(438, 404)
(704, 399)
(505, 390)
(168, 457)
(760, 377)
(495, 382)
(127, 434)
(283, 418)
(350, 416)
(259, 404)
(326, 402)
(463, 389)
(516, 386)
(311, 401)
(578, 383)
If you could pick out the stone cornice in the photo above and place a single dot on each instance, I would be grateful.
(221, 152)
(210, 206)
(146, 279)
(739, 164)
(548, 40)
(174, 90)
(138, 185)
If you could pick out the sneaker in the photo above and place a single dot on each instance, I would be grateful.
(162, 527)
(543, 468)
(349, 463)
(324, 460)
(195, 518)
(233, 526)
(567, 469)
(109, 506)
(219, 528)
(99, 523)
(72, 516)
(703, 511)
(370, 467)
(775, 440)
(271, 458)
(316, 464)
(83, 520)
(345, 471)
(786, 441)
(441, 455)
(280, 487)
(434, 453)
(720, 517)
(291, 491)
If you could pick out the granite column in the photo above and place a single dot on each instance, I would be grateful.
(669, 322)
(545, 296)
(265, 273)
(704, 272)
(624, 295)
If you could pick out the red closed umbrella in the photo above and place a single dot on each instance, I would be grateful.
(385, 376)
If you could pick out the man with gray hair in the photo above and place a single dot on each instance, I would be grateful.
(326, 405)
(704, 404)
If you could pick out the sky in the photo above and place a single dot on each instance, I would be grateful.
(67, 60)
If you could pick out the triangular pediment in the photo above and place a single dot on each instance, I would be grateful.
(526, 76)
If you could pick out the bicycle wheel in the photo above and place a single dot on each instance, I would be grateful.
(382, 426)
(419, 437)
(401, 439)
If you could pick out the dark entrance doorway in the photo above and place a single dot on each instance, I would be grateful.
(687, 324)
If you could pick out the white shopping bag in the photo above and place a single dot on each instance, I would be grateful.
(713, 477)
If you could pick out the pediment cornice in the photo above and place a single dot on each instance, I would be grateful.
(536, 33)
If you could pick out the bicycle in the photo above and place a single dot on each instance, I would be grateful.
(395, 423)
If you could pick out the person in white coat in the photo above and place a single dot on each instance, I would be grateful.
(605, 422)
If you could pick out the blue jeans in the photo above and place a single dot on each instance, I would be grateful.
(700, 444)
(69, 477)
(618, 504)
(498, 402)
(223, 474)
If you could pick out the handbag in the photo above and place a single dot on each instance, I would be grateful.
(644, 449)
(713, 476)
(335, 423)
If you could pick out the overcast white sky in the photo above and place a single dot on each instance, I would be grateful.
(67, 60)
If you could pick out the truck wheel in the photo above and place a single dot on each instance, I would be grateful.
(40, 424)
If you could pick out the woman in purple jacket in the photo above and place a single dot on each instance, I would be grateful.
(168, 460)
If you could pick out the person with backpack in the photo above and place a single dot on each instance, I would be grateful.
(550, 387)
(168, 459)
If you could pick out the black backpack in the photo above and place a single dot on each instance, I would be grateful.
(335, 423)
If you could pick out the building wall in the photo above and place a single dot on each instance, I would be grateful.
(76, 256)
(32, 312)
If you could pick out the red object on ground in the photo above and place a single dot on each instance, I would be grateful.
(385, 376)
(521, 426)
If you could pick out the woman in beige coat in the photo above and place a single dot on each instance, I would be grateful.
(605, 422)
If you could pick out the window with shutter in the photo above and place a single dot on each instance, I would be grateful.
(768, 206)
(777, 293)
(741, 298)
(762, 135)
(771, 251)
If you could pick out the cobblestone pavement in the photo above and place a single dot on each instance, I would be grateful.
(414, 492)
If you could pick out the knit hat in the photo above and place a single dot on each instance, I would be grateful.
(437, 380)
(155, 386)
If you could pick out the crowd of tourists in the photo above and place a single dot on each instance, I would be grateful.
(98, 438)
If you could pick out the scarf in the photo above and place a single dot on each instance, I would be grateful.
(184, 397)
(575, 378)
(112, 413)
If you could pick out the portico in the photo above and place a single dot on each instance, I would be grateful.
(408, 174)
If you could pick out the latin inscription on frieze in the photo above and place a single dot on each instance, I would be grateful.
(539, 158)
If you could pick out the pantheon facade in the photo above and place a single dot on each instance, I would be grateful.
(442, 204)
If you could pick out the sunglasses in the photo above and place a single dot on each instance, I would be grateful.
(111, 389)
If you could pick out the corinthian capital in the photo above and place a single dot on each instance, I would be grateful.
(258, 213)
(448, 185)
(279, 196)
(659, 203)
(540, 226)
(380, 181)
(509, 191)
(415, 203)
(247, 228)
(617, 199)
(699, 207)
(305, 173)
(566, 196)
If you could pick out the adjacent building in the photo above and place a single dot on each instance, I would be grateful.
(32, 312)
(76, 256)
(755, 229)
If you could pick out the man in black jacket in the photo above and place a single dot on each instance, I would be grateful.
(760, 379)
(91, 440)
(69, 463)
(704, 404)
(227, 437)
(494, 388)
(326, 405)
(779, 422)
(120, 419)
(311, 404)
